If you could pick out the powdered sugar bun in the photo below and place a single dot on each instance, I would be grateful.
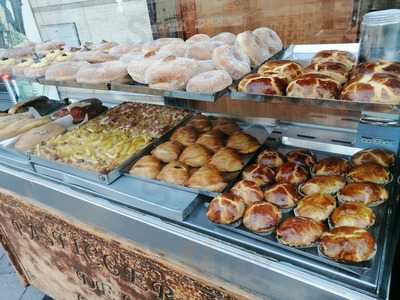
(157, 44)
(64, 71)
(227, 38)
(269, 39)
(205, 66)
(101, 73)
(209, 82)
(139, 64)
(120, 50)
(232, 60)
(202, 50)
(252, 46)
(200, 37)
(177, 48)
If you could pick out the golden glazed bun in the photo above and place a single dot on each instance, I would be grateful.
(167, 151)
(331, 166)
(368, 193)
(337, 71)
(227, 160)
(226, 209)
(291, 173)
(175, 172)
(317, 207)
(262, 217)
(271, 159)
(302, 157)
(287, 69)
(272, 84)
(311, 85)
(353, 214)
(201, 123)
(249, 191)
(148, 166)
(213, 140)
(381, 157)
(226, 126)
(195, 155)
(258, 174)
(369, 172)
(387, 67)
(283, 195)
(330, 184)
(242, 142)
(343, 57)
(207, 178)
(186, 135)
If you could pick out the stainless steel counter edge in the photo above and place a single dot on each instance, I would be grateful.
(247, 270)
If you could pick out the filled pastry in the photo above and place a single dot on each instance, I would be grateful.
(227, 127)
(175, 172)
(302, 157)
(370, 194)
(243, 142)
(186, 135)
(213, 140)
(249, 191)
(148, 166)
(317, 207)
(271, 159)
(207, 178)
(227, 160)
(226, 209)
(299, 232)
(167, 151)
(201, 123)
(262, 217)
(291, 173)
(369, 172)
(283, 195)
(195, 155)
(353, 214)
(331, 166)
(348, 244)
(378, 156)
(258, 174)
(323, 185)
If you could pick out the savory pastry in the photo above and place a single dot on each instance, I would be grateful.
(348, 244)
(242, 142)
(331, 166)
(213, 140)
(148, 166)
(302, 157)
(271, 159)
(195, 155)
(370, 194)
(329, 184)
(185, 135)
(22, 126)
(227, 160)
(201, 123)
(271, 84)
(227, 127)
(175, 172)
(311, 85)
(207, 178)
(317, 207)
(226, 209)
(27, 141)
(251, 45)
(262, 217)
(269, 39)
(381, 157)
(291, 173)
(353, 214)
(288, 69)
(258, 174)
(249, 191)
(102, 72)
(299, 232)
(335, 70)
(343, 57)
(283, 195)
(369, 172)
(230, 59)
(167, 151)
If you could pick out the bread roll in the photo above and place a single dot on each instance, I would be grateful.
(227, 160)
(185, 135)
(148, 166)
(262, 217)
(243, 142)
(317, 86)
(337, 71)
(226, 209)
(291, 173)
(287, 69)
(387, 67)
(330, 184)
(65, 71)
(283, 195)
(299, 232)
(234, 61)
(258, 174)
(369, 172)
(381, 157)
(331, 166)
(253, 47)
(212, 140)
(201, 123)
(317, 207)
(271, 159)
(344, 57)
(269, 39)
(368, 193)
(201, 50)
(227, 38)
(168, 151)
(302, 156)
(178, 49)
(209, 82)
(175, 172)
(200, 37)
(249, 191)
(353, 214)
(93, 57)
(156, 45)
(207, 178)
(272, 84)
(195, 155)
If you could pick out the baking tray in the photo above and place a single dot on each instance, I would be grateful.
(258, 131)
(303, 54)
(74, 84)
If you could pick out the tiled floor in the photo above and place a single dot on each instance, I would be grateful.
(10, 285)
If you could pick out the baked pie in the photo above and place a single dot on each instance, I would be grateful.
(353, 214)
(207, 178)
(302, 157)
(213, 140)
(331, 166)
(348, 244)
(317, 207)
(271, 159)
(258, 174)
(227, 160)
(186, 135)
(378, 156)
(167, 151)
(201, 123)
(368, 193)
(175, 172)
(299, 232)
(283, 195)
(323, 185)
(369, 172)
(243, 142)
(291, 172)
(148, 166)
(226, 209)
(227, 127)
(249, 191)
(262, 217)
(195, 155)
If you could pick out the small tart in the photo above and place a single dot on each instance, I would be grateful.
(262, 217)
(317, 207)
(353, 214)
(226, 209)
(283, 195)
(323, 185)
(249, 191)
(299, 232)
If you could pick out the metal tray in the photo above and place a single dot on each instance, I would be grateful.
(74, 84)
(258, 131)
(303, 54)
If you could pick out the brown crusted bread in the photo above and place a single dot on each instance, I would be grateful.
(249, 191)
(207, 178)
(392, 68)
(175, 172)
(213, 140)
(291, 173)
(227, 160)
(283, 195)
(331, 166)
(261, 217)
(226, 126)
(381, 157)
(226, 209)
(335, 70)
(258, 174)
(271, 84)
(242, 142)
(148, 166)
(167, 151)
(317, 207)
(343, 57)
(290, 70)
(369, 172)
(313, 85)
(201, 123)
(302, 157)
(185, 135)
(329, 184)
(195, 155)
(271, 159)
(353, 214)
(363, 192)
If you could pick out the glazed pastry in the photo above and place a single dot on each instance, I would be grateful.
(353, 214)
(212, 140)
(381, 66)
(288, 69)
(248, 191)
(323, 185)
(302, 157)
(348, 244)
(299, 232)
(271, 84)
(378, 156)
(337, 71)
(271, 159)
(207, 178)
(343, 57)
(243, 142)
(291, 173)
(331, 166)
(258, 174)
(167, 151)
(201, 123)
(227, 127)
(175, 172)
(195, 155)
(148, 166)
(312, 85)
(283, 195)
(186, 135)
(369, 172)
(317, 207)
(262, 217)
(226, 209)
(227, 160)
(370, 194)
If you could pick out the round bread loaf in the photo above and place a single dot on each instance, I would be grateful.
(283, 195)
(272, 84)
(317, 207)
(317, 86)
(226, 209)
(249, 191)
(286, 68)
(271, 159)
(329, 184)
(368, 193)
(335, 70)
(331, 166)
(343, 57)
(353, 214)
(291, 173)
(262, 217)
(302, 156)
